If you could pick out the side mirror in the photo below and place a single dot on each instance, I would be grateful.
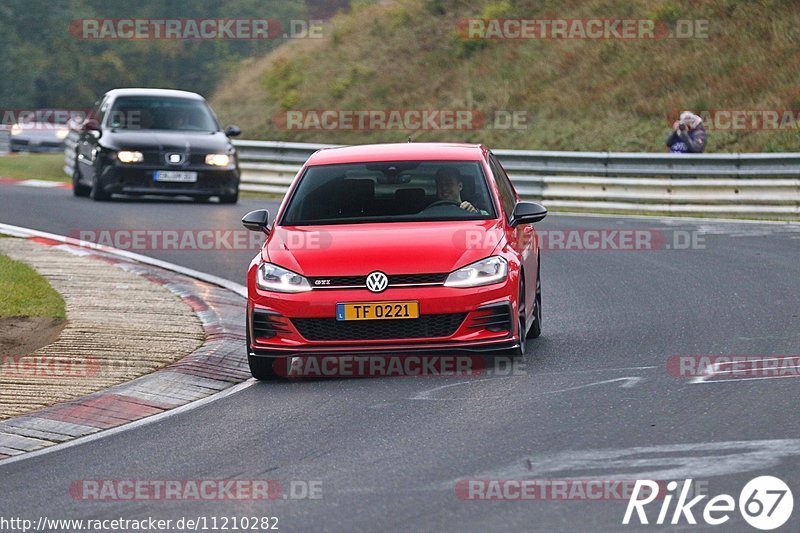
(527, 213)
(256, 220)
(233, 131)
(92, 127)
(91, 124)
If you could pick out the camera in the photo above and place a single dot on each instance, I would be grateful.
(682, 127)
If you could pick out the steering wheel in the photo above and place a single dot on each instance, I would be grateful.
(444, 202)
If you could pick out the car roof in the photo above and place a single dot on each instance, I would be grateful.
(167, 93)
(398, 152)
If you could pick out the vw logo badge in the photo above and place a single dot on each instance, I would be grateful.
(377, 281)
(175, 159)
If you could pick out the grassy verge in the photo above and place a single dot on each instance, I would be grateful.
(23, 292)
(34, 167)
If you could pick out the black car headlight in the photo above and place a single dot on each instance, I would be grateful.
(218, 160)
(129, 156)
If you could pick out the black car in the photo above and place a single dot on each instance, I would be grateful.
(155, 141)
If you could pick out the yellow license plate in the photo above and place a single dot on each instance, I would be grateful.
(377, 311)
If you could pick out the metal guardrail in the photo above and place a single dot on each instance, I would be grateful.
(70, 143)
(5, 139)
(754, 185)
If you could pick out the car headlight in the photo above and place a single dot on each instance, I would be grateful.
(485, 272)
(218, 160)
(127, 156)
(62, 133)
(16, 129)
(271, 277)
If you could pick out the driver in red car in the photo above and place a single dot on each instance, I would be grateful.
(449, 184)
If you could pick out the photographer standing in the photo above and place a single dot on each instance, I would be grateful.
(688, 135)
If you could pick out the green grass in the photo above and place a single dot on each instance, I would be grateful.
(577, 94)
(33, 166)
(23, 292)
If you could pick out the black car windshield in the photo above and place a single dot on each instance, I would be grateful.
(161, 113)
(402, 191)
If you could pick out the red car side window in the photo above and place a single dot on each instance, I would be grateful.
(507, 196)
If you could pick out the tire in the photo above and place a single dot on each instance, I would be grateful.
(519, 351)
(98, 194)
(536, 326)
(78, 189)
(229, 198)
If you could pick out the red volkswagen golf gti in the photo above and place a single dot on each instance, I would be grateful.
(395, 248)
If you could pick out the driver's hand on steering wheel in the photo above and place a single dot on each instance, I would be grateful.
(468, 207)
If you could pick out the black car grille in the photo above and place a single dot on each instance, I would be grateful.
(394, 279)
(426, 326)
(495, 318)
(143, 179)
(267, 325)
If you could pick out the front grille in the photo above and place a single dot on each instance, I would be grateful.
(267, 325)
(495, 318)
(143, 179)
(394, 279)
(426, 326)
(407, 279)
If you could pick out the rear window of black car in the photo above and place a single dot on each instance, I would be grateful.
(161, 113)
(402, 191)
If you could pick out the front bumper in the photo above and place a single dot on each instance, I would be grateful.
(464, 320)
(139, 180)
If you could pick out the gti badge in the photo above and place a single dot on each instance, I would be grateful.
(377, 281)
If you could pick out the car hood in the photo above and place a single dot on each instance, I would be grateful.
(182, 141)
(394, 248)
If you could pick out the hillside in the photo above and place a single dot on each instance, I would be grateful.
(576, 94)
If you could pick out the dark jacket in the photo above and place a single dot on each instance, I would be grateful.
(688, 141)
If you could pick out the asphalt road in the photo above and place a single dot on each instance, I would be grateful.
(593, 399)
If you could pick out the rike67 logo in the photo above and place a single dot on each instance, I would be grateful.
(765, 503)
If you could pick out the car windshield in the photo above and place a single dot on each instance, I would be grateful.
(159, 113)
(402, 191)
